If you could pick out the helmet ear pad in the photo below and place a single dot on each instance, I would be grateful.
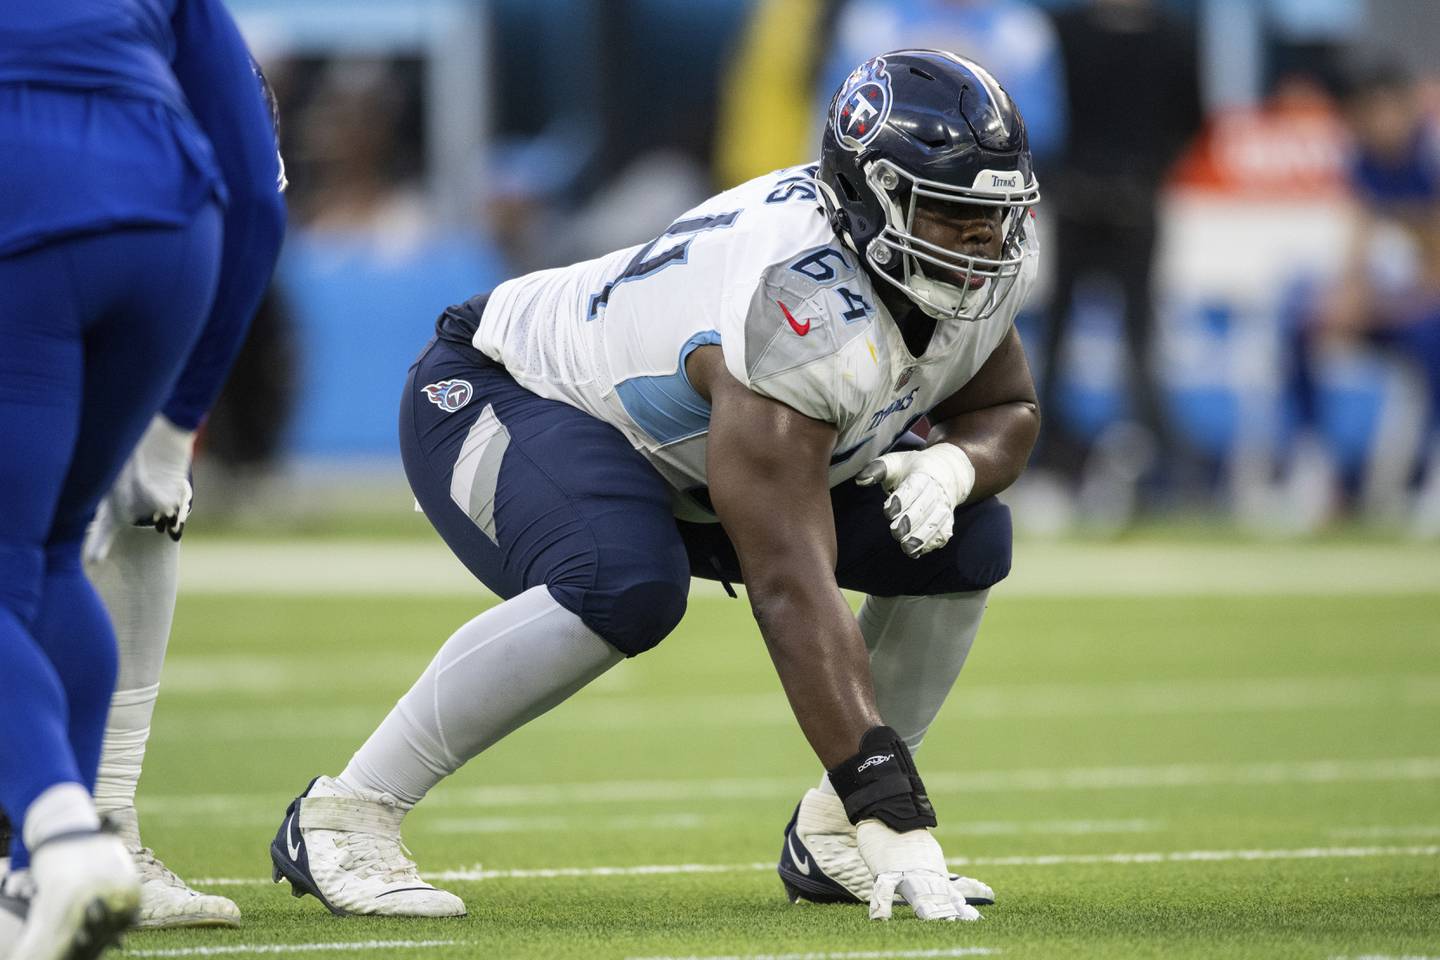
(853, 211)
(858, 215)
(847, 188)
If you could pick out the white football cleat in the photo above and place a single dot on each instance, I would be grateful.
(16, 889)
(86, 895)
(343, 847)
(820, 861)
(166, 901)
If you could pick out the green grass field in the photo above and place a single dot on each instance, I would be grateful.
(1143, 774)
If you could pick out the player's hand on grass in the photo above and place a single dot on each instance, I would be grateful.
(913, 865)
(925, 487)
(153, 489)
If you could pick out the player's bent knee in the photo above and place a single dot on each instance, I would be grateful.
(635, 617)
(22, 573)
(985, 539)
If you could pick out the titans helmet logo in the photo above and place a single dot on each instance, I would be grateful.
(862, 105)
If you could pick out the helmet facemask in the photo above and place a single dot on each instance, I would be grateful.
(902, 258)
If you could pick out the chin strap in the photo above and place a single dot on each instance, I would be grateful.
(834, 213)
(943, 301)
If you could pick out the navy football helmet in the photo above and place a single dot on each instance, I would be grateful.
(926, 128)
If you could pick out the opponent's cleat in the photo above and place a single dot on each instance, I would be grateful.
(16, 889)
(86, 895)
(343, 848)
(820, 861)
(166, 901)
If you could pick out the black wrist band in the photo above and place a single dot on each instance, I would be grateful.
(880, 781)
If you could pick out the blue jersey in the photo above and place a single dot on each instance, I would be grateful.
(118, 113)
(121, 46)
(1410, 179)
(95, 125)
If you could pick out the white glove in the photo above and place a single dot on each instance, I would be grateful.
(153, 489)
(925, 487)
(912, 864)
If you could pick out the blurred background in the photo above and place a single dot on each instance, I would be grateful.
(1239, 317)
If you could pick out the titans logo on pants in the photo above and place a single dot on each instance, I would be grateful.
(449, 395)
(863, 104)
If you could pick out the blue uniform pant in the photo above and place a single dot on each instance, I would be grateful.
(527, 491)
(94, 330)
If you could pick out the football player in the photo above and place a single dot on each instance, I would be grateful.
(733, 400)
(139, 200)
(136, 572)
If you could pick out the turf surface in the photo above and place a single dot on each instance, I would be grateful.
(1136, 776)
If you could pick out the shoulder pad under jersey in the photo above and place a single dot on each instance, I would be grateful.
(805, 309)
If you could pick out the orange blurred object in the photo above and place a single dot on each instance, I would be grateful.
(1292, 148)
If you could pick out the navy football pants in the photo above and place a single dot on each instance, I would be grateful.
(94, 331)
(526, 491)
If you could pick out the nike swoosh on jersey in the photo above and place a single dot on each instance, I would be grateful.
(794, 325)
(801, 863)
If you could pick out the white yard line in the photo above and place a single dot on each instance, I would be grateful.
(190, 679)
(551, 824)
(1036, 701)
(1046, 860)
(846, 955)
(695, 821)
(1400, 769)
(426, 568)
(1076, 828)
(1412, 832)
(1197, 856)
(270, 948)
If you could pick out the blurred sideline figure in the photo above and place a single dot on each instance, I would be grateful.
(139, 220)
(349, 133)
(368, 244)
(577, 437)
(767, 98)
(1388, 292)
(1134, 102)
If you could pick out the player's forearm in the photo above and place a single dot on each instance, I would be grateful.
(252, 243)
(821, 659)
(226, 97)
(997, 439)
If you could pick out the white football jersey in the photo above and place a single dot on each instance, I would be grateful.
(759, 271)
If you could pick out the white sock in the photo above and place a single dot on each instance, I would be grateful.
(137, 581)
(917, 647)
(63, 808)
(496, 673)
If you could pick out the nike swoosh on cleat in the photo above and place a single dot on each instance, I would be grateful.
(801, 863)
(292, 849)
